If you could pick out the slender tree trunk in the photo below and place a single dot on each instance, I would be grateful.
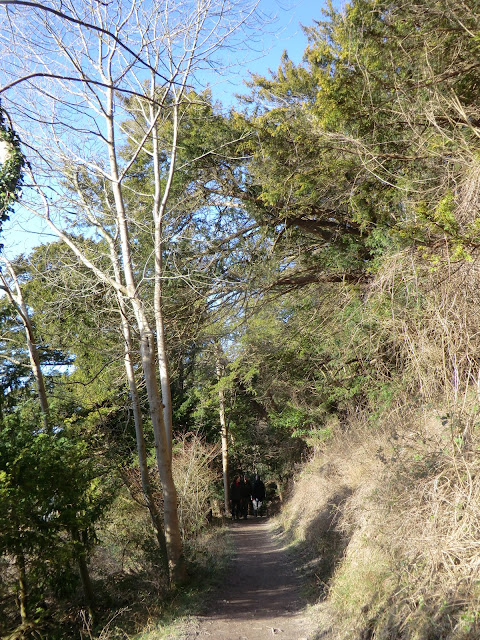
(17, 299)
(37, 372)
(155, 514)
(22, 587)
(163, 367)
(223, 427)
(173, 538)
(159, 207)
(148, 351)
(141, 449)
(80, 556)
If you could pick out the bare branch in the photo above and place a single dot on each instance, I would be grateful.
(82, 23)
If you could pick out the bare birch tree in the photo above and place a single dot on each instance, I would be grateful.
(67, 68)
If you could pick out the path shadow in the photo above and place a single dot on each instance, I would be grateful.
(324, 544)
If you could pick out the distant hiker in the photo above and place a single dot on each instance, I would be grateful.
(258, 494)
(246, 495)
(236, 493)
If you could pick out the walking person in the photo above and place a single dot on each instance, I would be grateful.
(236, 493)
(258, 495)
(246, 495)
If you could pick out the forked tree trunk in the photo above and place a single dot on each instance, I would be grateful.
(142, 454)
(173, 537)
(146, 339)
(147, 490)
(176, 560)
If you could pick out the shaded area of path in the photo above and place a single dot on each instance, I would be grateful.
(261, 598)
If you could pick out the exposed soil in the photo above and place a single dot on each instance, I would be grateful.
(262, 594)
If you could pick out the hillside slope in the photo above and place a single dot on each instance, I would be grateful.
(386, 520)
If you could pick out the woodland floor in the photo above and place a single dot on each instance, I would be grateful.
(261, 597)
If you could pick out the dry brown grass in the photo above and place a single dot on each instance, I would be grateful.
(430, 318)
(405, 498)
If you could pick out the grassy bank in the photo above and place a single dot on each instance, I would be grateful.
(386, 519)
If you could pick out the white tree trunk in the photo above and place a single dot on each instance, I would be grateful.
(223, 427)
(135, 400)
(173, 537)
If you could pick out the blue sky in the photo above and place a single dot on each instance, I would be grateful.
(283, 32)
(289, 35)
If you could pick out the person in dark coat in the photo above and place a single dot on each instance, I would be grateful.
(246, 495)
(236, 492)
(258, 494)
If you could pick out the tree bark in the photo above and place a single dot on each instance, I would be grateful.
(152, 507)
(173, 538)
(159, 207)
(140, 440)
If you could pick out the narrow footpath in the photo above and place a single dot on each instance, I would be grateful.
(262, 597)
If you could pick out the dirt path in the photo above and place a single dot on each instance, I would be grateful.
(261, 598)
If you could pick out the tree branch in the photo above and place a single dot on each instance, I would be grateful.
(88, 25)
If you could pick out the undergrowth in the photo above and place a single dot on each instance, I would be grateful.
(132, 595)
(147, 614)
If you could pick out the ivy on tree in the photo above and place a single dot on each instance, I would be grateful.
(11, 167)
